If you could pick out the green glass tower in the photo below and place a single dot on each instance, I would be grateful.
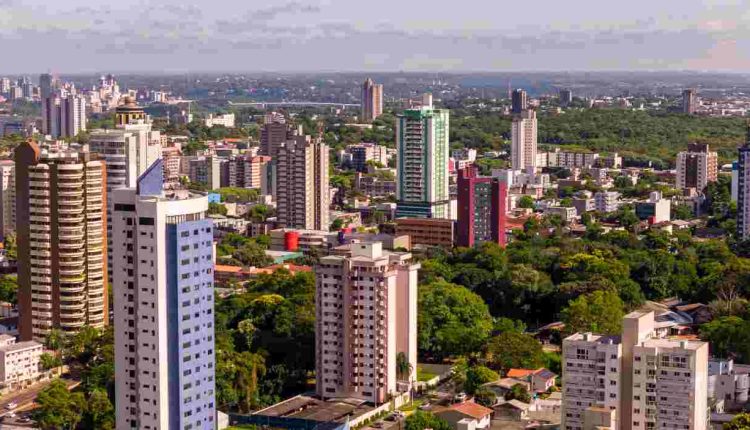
(422, 141)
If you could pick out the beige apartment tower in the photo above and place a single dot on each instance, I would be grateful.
(696, 167)
(650, 382)
(524, 140)
(366, 316)
(61, 197)
(302, 190)
(372, 100)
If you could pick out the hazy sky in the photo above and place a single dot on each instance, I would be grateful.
(383, 35)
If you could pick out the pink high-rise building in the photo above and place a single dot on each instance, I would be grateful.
(372, 100)
(366, 314)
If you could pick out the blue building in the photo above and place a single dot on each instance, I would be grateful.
(163, 304)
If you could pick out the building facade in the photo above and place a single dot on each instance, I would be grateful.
(20, 363)
(519, 102)
(696, 167)
(689, 101)
(246, 171)
(482, 202)
(427, 231)
(366, 315)
(361, 153)
(524, 140)
(372, 100)
(61, 193)
(606, 201)
(163, 298)
(422, 143)
(7, 198)
(650, 382)
(63, 116)
(743, 189)
(302, 186)
(274, 133)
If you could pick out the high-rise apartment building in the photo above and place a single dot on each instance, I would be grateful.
(524, 140)
(274, 133)
(591, 376)
(372, 100)
(519, 102)
(696, 167)
(689, 101)
(651, 382)
(743, 188)
(163, 298)
(366, 315)
(63, 116)
(47, 84)
(212, 172)
(302, 188)
(482, 202)
(422, 143)
(128, 151)
(245, 171)
(172, 159)
(363, 152)
(566, 98)
(4, 85)
(61, 195)
(7, 198)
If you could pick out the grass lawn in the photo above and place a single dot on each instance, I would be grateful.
(411, 407)
(423, 375)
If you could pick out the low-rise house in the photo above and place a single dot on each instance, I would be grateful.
(513, 409)
(466, 416)
(540, 380)
(503, 385)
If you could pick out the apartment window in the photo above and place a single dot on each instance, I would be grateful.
(145, 221)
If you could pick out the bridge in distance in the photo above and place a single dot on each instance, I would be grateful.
(263, 105)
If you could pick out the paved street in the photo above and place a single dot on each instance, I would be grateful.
(25, 401)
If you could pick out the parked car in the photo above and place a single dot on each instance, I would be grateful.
(459, 398)
(11, 405)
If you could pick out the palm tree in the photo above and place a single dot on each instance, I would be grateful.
(404, 368)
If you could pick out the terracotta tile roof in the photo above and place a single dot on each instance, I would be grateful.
(227, 269)
(520, 373)
(472, 409)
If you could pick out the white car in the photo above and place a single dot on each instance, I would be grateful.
(11, 405)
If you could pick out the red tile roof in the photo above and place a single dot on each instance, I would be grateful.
(472, 409)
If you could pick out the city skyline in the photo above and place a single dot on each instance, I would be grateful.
(333, 35)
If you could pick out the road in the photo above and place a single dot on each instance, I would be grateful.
(24, 400)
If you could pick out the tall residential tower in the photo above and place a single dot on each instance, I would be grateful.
(61, 208)
(163, 298)
(524, 140)
(422, 142)
(372, 100)
(302, 188)
(366, 316)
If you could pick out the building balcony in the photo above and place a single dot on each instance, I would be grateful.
(40, 315)
(72, 324)
(40, 304)
(71, 210)
(72, 305)
(38, 280)
(63, 245)
(73, 287)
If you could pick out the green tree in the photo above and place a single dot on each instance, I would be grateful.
(514, 350)
(58, 408)
(476, 376)
(421, 420)
(728, 336)
(485, 397)
(452, 320)
(217, 209)
(739, 422)
(526, 202)
(518, 392)
(100, 412)
(8, 288)
(598, 312)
